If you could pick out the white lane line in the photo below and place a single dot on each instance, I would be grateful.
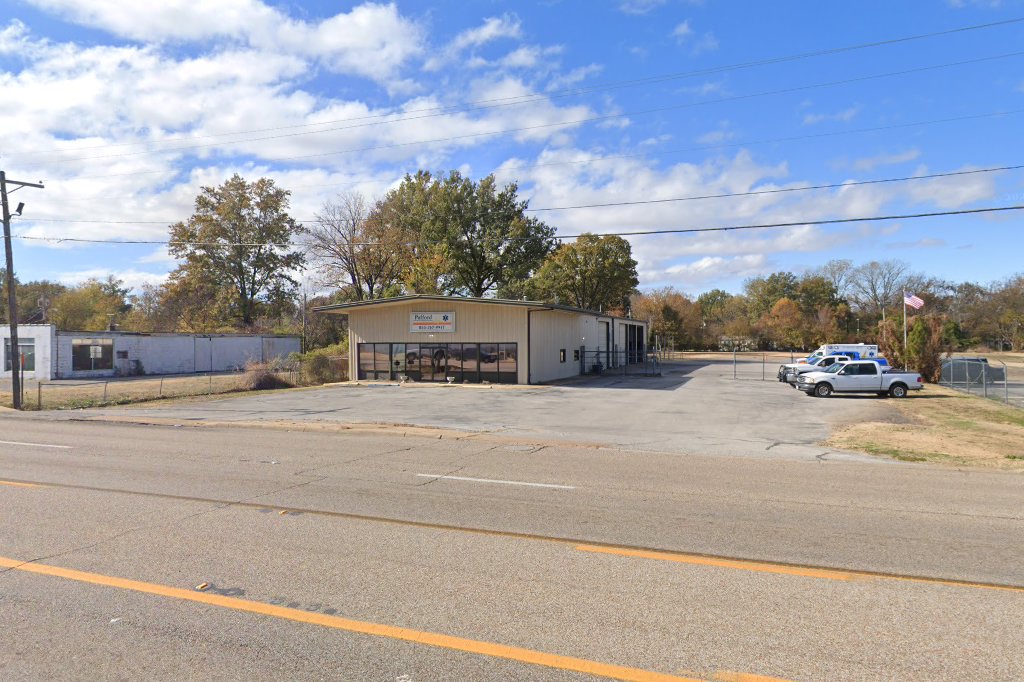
(492, 480)
(35, 445)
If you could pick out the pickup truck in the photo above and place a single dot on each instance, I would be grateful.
(787, 372)
(860, 376)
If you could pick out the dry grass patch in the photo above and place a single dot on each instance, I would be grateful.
(946, 427)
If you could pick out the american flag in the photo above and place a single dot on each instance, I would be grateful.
(913, 301)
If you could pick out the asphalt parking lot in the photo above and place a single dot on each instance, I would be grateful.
(695, 407)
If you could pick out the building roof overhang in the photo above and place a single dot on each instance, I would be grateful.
(345, 308)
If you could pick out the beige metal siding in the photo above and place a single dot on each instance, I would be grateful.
(552, 331)
(474, 323)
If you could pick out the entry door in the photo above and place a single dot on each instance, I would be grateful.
(399, 360)
(433, 362)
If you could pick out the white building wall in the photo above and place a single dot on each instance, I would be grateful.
(42, 336)
(173, 353)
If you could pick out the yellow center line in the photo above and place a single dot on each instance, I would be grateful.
(783, 569)
(512, 653)
(18, 484)
(730, 676)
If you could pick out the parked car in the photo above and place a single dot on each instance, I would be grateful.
(787, 371)
(860, 376)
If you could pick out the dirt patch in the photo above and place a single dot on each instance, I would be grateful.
(944, 427)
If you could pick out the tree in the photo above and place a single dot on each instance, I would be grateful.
(490, 242)
(878, 284)
(840, 273)
(91, 306)
(926, 344)
(239, 243)
(764, 292)
(783, 325)
(674, 318)
(593, 272)
(815, 292)
(358, 247)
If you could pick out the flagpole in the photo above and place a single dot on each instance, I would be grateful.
(904, 330)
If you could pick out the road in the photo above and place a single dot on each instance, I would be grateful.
(159, 552)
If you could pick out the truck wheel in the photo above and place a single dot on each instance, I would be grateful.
(823, 390)
(898, 391)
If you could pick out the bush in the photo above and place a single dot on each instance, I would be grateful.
(261, 376)
(324, 365)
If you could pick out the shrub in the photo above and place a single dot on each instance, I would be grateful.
(324, 365)
(260, 376)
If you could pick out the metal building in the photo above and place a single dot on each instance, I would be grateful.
(445, 338)
(50, 354)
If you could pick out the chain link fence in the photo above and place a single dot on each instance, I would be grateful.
(745, 365)
(73, 394)
(635, 362)
(979, 376)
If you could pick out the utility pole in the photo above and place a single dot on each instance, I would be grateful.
(12, 301)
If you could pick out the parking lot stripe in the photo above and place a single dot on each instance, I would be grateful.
(492, 480)
(785, 569)
(36, 445)
(512, 653)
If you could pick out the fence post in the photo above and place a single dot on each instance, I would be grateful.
(967, 375)
(1006, 383)
(39, 395)
(105, 384)
(161, 387)
(763, 356)
(984, 378)
(733, 363)
(210, 391)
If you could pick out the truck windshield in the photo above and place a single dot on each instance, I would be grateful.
(834, 368)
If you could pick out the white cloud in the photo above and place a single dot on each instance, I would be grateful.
(573, 77)
(847, 114)
(372, 40)
(493, 28)
(682, 31)
(722, 133)
(707, 43)
(712, 268)
(133, 279)
(954, 192)
(640, 6)
(869, 163)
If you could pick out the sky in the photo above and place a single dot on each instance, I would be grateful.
(124, 111)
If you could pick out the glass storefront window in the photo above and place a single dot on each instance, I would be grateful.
(489, 362)
(472, 362)
(508, 363)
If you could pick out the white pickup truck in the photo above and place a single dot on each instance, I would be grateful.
(790, 372)
(860, 376)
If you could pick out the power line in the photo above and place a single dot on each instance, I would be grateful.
(574, 122)
(478, 105)
(681, 230)
(682, 150)
(853, 183)
(780, 190)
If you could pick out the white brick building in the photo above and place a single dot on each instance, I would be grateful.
(51, 354)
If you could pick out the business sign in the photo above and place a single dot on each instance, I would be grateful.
(432, 322)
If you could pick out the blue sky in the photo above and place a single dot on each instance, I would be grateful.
(101, 96)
